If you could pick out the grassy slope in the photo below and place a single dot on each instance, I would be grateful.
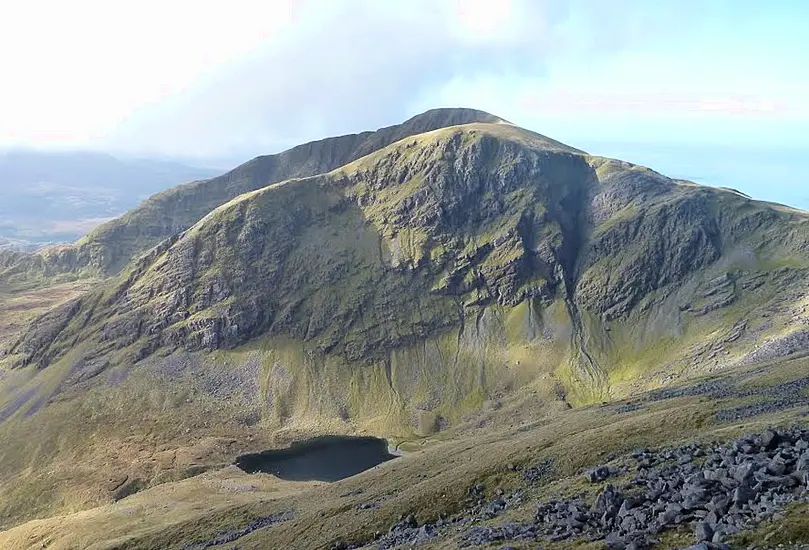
(426, 482)
(20, 306)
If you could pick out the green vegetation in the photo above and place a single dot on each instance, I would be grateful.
(430, 480)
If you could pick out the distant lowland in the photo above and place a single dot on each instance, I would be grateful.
(56, 197)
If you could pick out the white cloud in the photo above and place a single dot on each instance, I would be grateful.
(73, 70)
(250, 76)
(344, 66)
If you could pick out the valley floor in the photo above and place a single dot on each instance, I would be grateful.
(481, 487)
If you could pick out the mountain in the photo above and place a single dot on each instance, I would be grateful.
(467, 231)
(58, 196)
(401, 283)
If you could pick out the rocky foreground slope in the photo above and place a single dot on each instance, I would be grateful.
(400, 283)
(713, 491)
(668, 469)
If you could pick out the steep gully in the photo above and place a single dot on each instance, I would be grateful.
(575, 230)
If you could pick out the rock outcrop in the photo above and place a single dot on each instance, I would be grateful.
(716, 491)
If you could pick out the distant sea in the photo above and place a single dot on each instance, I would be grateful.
(766, 173)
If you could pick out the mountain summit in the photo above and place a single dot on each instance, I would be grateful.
(397, 282)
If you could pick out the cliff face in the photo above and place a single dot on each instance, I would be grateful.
(426, 230)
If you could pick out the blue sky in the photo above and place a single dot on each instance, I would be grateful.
(662, 83)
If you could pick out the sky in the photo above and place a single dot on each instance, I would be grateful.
(230, 80)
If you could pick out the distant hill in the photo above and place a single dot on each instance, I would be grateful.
(51, 197)
(17, 244)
